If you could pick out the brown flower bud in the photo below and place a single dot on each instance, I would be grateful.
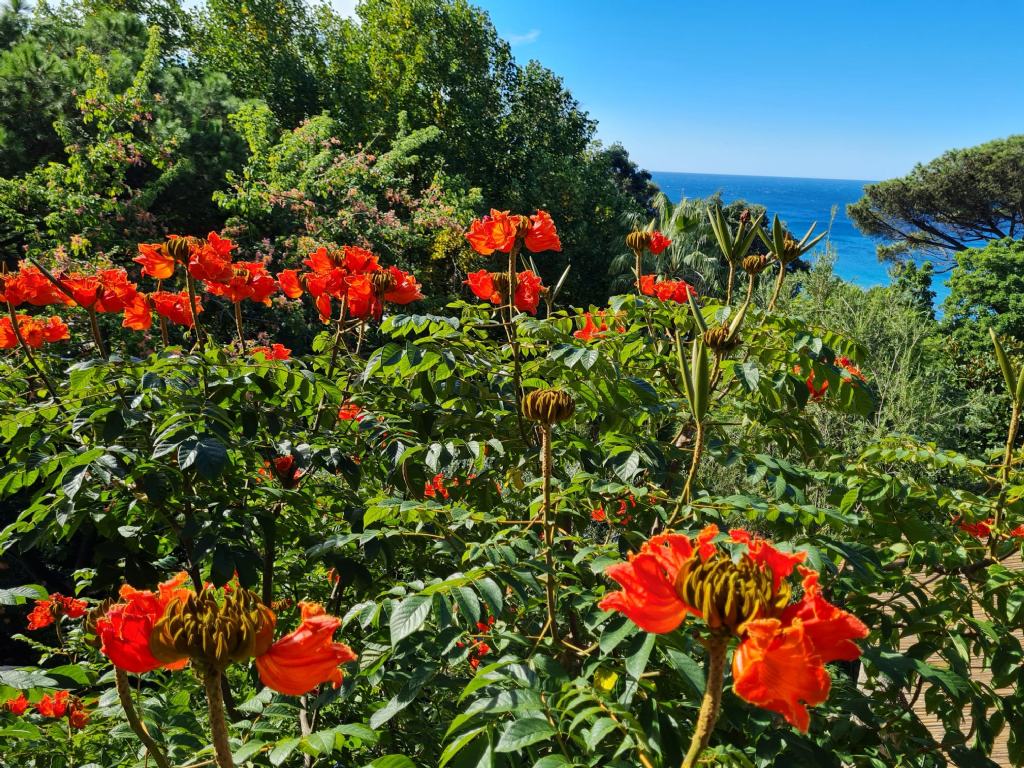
(382, 281)
(522, 225)
(178, 248)
(89, 622)
(500, 280)
(790, 250)
(638, 241)
(755, 264)
(745, 216)
(717, 339)
(211, 632)
(548, 406)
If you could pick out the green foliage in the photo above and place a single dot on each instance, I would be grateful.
(986, 290)
(959, 199)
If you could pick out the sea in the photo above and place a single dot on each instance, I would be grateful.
(799, 203)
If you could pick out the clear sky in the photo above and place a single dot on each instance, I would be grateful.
(855, 89)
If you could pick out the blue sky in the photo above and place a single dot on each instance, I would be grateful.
(860, 89)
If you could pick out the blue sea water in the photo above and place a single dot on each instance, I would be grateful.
(799, 203)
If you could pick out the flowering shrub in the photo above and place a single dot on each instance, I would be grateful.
(512, 522)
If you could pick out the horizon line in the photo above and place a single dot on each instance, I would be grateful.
(766, 176)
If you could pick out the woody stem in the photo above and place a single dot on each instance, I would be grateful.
(335, 346)
(513, 335)
(163, 320)
(238, 325)
(124, 693)
(698, 449)
(638, 253)
(778, 286)
(717, 647)
(28, 354)
(218, 724)
(548, 522)
(97, 338)
(190, 283)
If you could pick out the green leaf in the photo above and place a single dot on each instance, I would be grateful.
(19, 595)
(283, 748)
(391, 761)
(456, 746)
(409, 616)
(524, 732)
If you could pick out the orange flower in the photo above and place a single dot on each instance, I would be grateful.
(78, 718)
(291, 287)
(273, 352)
(306, 657)
(816, 393)
(30, 286)
(288, 474)
(17, 706)
(109, 290)
(590, 331)
(436, 486)
(175, 306)
(542, 235)
(33, 330)
(155, 260)
(528, 290)
(658, 243)
(350, 412)
(847, 365)
(247, 280)
(55, 706)
(498, 232)
(495, 232)
(211, 259)
(481, 283)
(980, 530)
(125, 628)
(138, 315)
(779, 664)
(666, 290)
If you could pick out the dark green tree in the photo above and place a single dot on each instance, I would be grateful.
(987, 291)
(960, 199)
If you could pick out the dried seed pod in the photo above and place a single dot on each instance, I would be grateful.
(179, 248)
(548, 406)
(718, 339)
(212, 632)
(728, 594)
(756, 264)
(638, 240)
(790, 250)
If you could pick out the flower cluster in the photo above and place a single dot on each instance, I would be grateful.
(784, 644)
(592, 330)
(46, 612)
(667, 290)
(52, 707)
(499, 231)
(35, 331)
(353, 277)
(621, 516)
(477, 647)
(273, 352)
(174, 625)
(847, 365)
(493, 287)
